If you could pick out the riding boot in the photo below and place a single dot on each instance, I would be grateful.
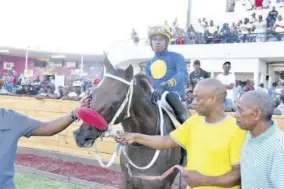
(178, 107)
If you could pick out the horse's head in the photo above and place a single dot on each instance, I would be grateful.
(107, 100)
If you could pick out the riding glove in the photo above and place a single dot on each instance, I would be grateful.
(159, 91)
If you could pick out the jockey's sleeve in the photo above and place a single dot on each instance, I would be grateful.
(182, 74)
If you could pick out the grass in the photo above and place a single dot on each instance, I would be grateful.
(32, 181)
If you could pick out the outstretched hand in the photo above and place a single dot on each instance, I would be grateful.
(125, 138)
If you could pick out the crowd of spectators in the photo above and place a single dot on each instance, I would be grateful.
(234, 88)
(248, 5)
(257, 28)
(45, 89)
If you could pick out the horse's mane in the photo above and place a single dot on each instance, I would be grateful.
(144, 82)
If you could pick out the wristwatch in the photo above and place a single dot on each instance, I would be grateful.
(73, 116)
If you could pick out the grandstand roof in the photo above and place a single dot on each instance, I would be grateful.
(39, 53)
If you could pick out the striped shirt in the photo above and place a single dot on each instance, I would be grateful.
(262, 160)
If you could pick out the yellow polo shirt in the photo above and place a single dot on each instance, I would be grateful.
(212, 149)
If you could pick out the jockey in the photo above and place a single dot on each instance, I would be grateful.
(167, 71)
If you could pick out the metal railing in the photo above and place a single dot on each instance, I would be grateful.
(225, 38)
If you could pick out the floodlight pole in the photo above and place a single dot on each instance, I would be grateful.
(188, 19)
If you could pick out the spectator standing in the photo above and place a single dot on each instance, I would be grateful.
(225, 33)
(271, 18)
(228, 80)
(134, 37)
(253, 18)
(211, 30)
(279, 28)
(245, 27)
(200, 27)
(260, 29)
(197, 75)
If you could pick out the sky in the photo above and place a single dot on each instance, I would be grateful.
(82, 25)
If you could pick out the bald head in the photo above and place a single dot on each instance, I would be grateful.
(209, 95)
(212, 86)
(260, 100)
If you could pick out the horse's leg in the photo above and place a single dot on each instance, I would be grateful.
(125, 184)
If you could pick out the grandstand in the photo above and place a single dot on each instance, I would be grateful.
(259, 60)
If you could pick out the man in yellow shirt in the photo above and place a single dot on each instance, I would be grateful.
(212, 140)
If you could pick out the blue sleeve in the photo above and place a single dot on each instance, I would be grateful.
(19, 123)
(182, 74)
(147, 69)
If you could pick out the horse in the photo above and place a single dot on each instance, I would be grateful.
(144, 118)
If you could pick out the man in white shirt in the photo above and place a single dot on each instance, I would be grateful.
(245, 27)
(279, 28)
(228, 80)
(212, 28)
(253, 18)
(200, 27)
(260, 29)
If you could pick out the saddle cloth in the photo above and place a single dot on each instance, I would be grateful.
(169, 110)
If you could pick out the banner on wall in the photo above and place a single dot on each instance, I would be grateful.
(8, 65)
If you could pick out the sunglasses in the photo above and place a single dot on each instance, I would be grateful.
(159, 29)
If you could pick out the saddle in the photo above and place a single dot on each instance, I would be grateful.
(168, 109)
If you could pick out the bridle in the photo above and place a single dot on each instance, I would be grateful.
(113, 132)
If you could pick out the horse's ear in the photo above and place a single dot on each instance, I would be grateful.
(129, 73)
(108, 64)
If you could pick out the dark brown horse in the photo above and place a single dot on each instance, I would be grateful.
(144, 118)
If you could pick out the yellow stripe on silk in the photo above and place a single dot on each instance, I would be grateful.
(172, 82)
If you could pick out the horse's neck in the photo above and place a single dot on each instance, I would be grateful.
(143, 115)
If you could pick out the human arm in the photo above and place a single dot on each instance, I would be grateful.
(182, 73)
(232, 82)
(26, 126)
(155, 142)
(207, 75)
(178, 137)
(230, 179)
(55, 126)
(277, 171)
